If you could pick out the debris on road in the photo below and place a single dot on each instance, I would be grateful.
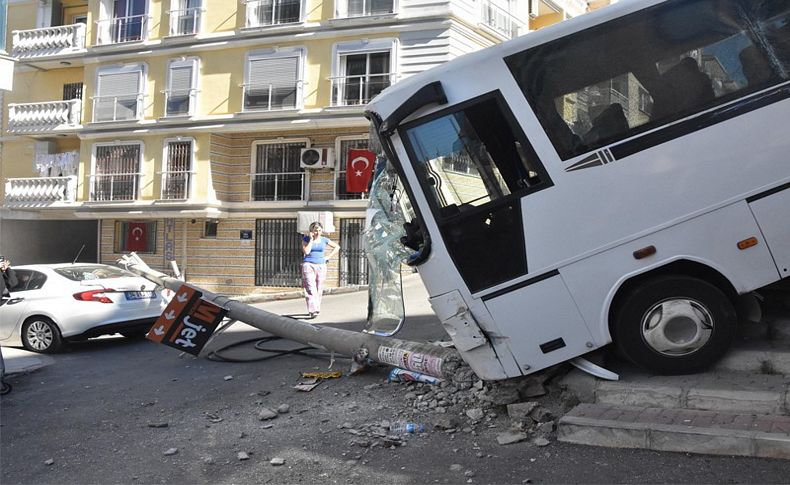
(158, 425)
(322, 375)
(277, 461)
(171, 451)
(228, 378)
(49, 462)
(266, 414)
(242, 456)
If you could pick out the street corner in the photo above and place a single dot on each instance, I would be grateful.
(20, 361)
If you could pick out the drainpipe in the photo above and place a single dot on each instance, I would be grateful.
(444, 363)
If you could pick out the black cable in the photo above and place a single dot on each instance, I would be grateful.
(259, 341)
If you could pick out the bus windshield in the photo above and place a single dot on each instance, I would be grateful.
(389, 209)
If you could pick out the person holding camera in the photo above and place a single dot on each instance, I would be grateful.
(314, 266)
(7, 281)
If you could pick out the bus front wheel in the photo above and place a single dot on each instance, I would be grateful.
(674, 325)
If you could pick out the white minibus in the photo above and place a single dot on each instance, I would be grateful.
(623, 176)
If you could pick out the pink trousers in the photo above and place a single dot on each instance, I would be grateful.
(313, 276)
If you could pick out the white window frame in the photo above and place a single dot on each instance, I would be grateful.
(341, 10)
(178, 6)
(341, 167)
(104, 23)
(281, 141)
(139, 173)
(190, 188)
(250, 4)
(194, 62)
(277, 53)
(364, 46)
(143, 69)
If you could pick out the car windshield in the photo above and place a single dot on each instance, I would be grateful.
(93, 272)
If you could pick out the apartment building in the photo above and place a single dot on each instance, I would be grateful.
(181, 129)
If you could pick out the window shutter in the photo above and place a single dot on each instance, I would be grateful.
(119, 84)
(278, 72)
(181, 79)
(356, 8)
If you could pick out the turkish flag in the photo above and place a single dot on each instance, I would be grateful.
(136, 238)
(359, 168)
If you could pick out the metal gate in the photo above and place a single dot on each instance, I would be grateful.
(278, 253)
(353, 260)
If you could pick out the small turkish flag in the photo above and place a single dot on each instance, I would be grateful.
(359, 168)
(136, 238)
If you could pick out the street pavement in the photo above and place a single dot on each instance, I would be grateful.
(113, 410)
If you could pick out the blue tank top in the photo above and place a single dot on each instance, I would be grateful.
(316, 255)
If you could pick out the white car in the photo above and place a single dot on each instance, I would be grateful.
(56, 303)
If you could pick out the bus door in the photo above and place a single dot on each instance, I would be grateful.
(476, 169)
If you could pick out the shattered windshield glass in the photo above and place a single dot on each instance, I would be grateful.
(385, 217)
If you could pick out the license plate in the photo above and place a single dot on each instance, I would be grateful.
(140, 295)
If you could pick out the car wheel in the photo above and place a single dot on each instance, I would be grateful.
(40, 334)
(674, 325)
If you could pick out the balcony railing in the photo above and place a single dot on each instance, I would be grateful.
(356, 90)
(185, 21)
(365, 8)
(277, 186)
(175, 185)
(44, 117)
(270, 96)
(48, 41)
(572, 7)
(500, 20)
(262, 13)
(114, 186)
(133, 28)
(117, 108)
(40, 191)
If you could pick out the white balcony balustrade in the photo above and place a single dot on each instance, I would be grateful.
(117, 30)
(44, 117)
(40, 191)
(500, 20)
(360, 89)
(48, 41)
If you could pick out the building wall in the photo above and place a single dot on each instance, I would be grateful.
(32, 241)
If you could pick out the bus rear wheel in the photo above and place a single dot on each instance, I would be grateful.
(674, 325)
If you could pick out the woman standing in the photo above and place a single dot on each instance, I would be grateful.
(314, 266)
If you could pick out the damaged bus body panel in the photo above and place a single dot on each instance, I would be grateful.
(619, 177)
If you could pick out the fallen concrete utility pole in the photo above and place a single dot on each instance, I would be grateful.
(445, 363)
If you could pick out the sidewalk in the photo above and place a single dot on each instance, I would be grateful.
(19, 361)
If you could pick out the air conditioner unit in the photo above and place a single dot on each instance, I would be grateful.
(316, 158)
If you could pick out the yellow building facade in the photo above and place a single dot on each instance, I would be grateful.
(182, 126)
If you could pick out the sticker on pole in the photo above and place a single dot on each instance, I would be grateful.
(187, 322)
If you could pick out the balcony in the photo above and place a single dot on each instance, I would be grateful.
(269, 97)
(48, 41)
(52, 116)
(358, 90)
(264, 13)
(185, 21)
(501, 21)
(277, 186)
(117, 108)
(40, 191)
(114, 187)
(119, 30)
(572, 8)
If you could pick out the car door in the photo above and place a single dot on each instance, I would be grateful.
(16, 309)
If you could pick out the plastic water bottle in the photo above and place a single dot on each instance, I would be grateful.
(406, 427)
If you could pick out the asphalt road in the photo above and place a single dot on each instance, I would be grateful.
(108, 410)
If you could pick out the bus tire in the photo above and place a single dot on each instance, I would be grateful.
(674, 325)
